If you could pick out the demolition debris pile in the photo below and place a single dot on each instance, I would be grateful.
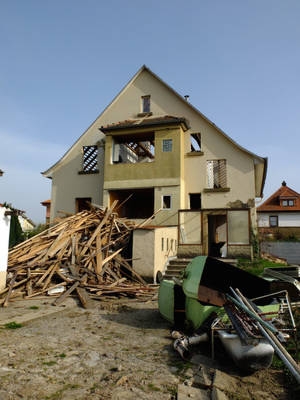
(81, 255)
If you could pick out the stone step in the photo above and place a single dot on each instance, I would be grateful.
(175, 268)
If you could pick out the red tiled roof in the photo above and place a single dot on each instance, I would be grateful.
(273, 203)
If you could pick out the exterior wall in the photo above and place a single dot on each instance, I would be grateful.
(4, 240)
(289, 251)
(67, 184)
(286, 219)
(164, 173)
(26, 225)
(243, 251)
(151, 249)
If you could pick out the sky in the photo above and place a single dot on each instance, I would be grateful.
(63, 61)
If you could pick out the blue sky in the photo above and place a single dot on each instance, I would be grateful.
(63, 61)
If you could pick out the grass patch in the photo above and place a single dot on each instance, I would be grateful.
(59, 394)
(13, 325)
(33, 308)
(257, 266)
(49, 363)
(153, 388)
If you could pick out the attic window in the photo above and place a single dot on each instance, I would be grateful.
(146, 104)
(288, 203)
(195, 141)
(90, 159)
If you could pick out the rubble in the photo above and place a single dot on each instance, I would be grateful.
(81, 254)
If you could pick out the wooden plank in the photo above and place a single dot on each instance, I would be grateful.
(99, 259)
(97, 230)
(46, 273)
(9, 290)
(62, 297)
(48, 280)
(45, 290)
(211, 296)
(83, 297)
(29, 282)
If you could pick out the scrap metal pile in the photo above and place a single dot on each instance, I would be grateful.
(79, 255)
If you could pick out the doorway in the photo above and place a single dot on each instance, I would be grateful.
(217, 235)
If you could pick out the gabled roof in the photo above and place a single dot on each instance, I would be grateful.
(258, 160)
(274, 202)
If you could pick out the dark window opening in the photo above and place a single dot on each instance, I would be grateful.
(166, 200)
(195, 201)
(134, 203)
(82, 203)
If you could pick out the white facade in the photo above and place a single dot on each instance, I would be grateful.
(4, 241)
(285, 220)
(152, 248)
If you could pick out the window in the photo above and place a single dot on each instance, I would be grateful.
(90, 159)
(216, 174)
(82, 203)
(146, 104)
(195, 201)
(167, 145)
(166, 202)
(273, 220)
(238, 227)
(133, 149)
(289, 203)
(195, 141)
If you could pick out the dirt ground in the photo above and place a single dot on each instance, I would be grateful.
(117, 349)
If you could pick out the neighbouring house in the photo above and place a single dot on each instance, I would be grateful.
(26, 224)
(4, 243)
(279, 215)
(47, 204)
(163, 160)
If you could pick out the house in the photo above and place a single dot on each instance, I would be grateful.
(163, 160)
(4, 242)
(26, 224)
(47, 204)
(279, 215)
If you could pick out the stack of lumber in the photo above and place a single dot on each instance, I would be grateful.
(81, 255)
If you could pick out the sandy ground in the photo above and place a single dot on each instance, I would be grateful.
(117, 349)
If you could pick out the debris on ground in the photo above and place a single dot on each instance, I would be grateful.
(80, 254)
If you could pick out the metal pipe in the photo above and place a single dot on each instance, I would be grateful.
(280, 350)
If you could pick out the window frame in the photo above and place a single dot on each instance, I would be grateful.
(216, 175)
(146, 104)
(90, 162)
(288, 203)
(167, 145)
(163, 202)
(275, 217)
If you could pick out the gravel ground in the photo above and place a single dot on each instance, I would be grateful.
(117, 349)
